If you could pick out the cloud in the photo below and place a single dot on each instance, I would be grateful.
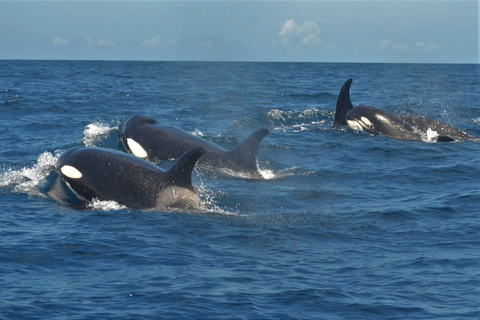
(402, 47)
(152, 42)
(206, 44)
(288, 28)
(60, 42)
(311, 39)
(157, 42)
(385, 43)
(306, 34)
(101, 43)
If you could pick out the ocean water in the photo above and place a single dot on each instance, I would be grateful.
(347, 225)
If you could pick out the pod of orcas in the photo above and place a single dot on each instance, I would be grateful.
(85, 174)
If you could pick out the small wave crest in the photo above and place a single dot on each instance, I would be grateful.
(94, 133)
(27, 179)
(296, 121)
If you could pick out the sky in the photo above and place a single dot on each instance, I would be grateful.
(419, 31)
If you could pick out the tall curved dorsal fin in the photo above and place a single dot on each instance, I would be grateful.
(246, 152)
(344, 104)
(181, 172)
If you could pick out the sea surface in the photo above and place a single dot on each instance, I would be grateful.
(346, 225)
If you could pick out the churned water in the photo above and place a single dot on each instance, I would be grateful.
(346, 225)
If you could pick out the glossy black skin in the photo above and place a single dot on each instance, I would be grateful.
(130, 181)
(166, 143)
(405, 127)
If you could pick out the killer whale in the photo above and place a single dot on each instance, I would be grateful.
(106, 175)
(403, 126)
(146, 138)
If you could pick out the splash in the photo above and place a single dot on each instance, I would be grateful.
(267, 174)
(198, 133)
(109, 205)
(27, 179)
(431, 135)
(94, 132)
(209, 196)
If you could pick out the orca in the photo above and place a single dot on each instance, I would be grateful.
(402, 126)
(146, 138)
(109, 175)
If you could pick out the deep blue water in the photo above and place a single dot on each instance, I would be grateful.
(348, 225)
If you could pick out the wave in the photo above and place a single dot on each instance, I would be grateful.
(290, 121)
(297, 121)
(101, 134)
(28, 179)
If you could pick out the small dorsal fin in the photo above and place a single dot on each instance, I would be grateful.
(344, 104)
(181, 172)
(246, 152)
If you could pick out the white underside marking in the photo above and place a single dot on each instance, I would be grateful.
(136, 148)
(382, 118)
(71, 172)
(355, 125)
(366, 121)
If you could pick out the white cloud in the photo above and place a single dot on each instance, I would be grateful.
(288, 27)
(206, 44)
(152, 42)
(101, 43)
(105, 42)
(311, 39)
(60, 42)
(427, 46)
(306, 34)
(385, 43)
(157, 42)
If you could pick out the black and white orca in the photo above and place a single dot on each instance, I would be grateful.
(403, 126)
(109, 175)
(146, 138)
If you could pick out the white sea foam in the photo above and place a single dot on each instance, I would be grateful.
(109, 205)
(300, 120)
(208, 197)
(27, 179)
(267, 174)
(94, 131)
(198, 133)
(431, 135)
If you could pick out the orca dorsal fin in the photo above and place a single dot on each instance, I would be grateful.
(344, 104)
(181, 172)
(246, 152)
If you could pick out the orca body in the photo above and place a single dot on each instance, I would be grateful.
(109, 175)
(378, 121)
(145, 138)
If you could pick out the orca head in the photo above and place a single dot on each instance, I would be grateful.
(364, 118)
(72, 174)
(128, 131)
(140, 120)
